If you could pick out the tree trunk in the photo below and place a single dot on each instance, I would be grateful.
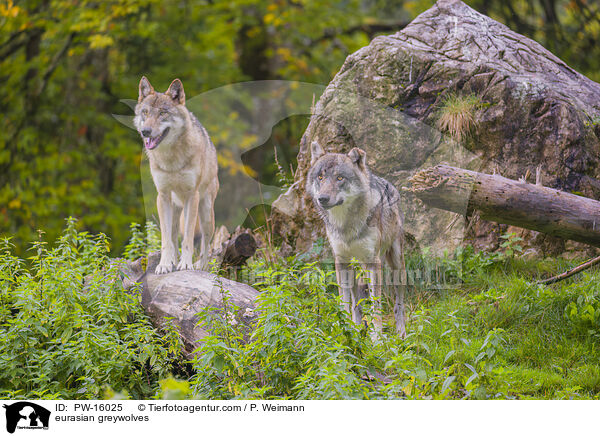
(239, 248)
(507, 201)
(233, 250)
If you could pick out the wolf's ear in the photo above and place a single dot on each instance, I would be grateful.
(145, 89)
(316, 151)
(175, 91)
(358, 156)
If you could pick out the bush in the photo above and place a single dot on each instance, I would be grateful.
(142, 243)
(69, 330)
(303, 345)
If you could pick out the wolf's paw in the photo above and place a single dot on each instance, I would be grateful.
(163, 269)
(184, 265)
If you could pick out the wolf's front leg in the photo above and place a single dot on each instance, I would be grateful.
(345, 278)
(168, 253)
(359, 293)
(190, 216)
(374, 273)
(206, 214)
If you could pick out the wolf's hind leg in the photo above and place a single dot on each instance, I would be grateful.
(375, 275)
(206, 222)
(395, 258)
(360, 291)
(190, 213)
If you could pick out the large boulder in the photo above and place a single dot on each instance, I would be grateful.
(530, 110)
(179, 297)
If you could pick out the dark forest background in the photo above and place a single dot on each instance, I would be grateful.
(65, 66)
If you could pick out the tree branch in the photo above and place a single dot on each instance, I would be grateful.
(569, 273)
(54, 64)
(13, 44)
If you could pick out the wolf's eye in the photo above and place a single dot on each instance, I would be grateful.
(340, 178)
(320, 176)
(145, 112)
(162, 113)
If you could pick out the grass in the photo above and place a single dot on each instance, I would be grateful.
(547, 337)
(457, 115)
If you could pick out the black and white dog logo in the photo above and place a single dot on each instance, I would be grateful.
(26, 415)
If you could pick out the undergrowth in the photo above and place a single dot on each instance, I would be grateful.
(488, 331)
(69, 330)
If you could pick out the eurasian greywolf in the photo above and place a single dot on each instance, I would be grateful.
(183, 164)
(363, 221)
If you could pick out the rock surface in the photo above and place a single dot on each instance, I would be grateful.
(534, 111)
(181, 295)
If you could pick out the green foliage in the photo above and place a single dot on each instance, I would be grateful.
(511, 245)
(583, 314)
(466, 263)
(173, 389)
(303, 345)
(142, 243)
(70, 330)
(496, 335)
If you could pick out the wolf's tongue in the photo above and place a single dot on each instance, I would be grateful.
(150, 143)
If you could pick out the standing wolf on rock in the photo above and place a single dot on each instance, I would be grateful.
(363, 221)
(183, 164)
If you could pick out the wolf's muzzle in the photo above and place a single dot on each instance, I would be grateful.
(152, 143)
(324, 202)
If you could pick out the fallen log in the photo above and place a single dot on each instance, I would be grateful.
(238, 249)
(507, 201)
(233, 250)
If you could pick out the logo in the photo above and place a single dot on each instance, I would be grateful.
(26, 415)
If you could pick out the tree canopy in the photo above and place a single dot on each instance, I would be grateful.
(65, 65)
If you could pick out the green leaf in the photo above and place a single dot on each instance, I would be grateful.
(471, 368)
(470, 379)
(219, 363)
(449, 355)
(447, 383)
(64, 338)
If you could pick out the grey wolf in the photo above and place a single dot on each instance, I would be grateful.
(183, 164)
(363, 221)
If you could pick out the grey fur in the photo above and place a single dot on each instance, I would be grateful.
(363, 221)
